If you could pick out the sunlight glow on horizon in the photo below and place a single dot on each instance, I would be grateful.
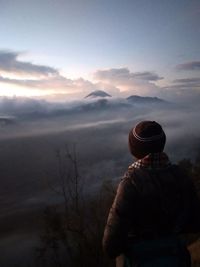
(14, 90)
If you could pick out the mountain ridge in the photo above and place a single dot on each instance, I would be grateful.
(145, 99)
(132, 98)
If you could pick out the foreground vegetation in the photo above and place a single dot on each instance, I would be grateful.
(193, 170)
(72, 232)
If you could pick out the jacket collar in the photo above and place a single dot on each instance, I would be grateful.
(152, 161)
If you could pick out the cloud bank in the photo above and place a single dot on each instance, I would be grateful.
(10, 63)
(128, 83)
(119, 82)
(192, 65)
(124, 75)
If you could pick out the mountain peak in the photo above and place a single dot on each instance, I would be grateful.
(98, 93)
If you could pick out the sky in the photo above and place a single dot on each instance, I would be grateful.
(63, 50)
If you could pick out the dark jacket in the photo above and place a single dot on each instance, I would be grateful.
(151, 204)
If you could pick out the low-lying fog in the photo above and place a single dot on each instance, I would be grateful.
(32, 131)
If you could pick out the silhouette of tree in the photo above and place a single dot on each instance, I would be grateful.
(73, 230)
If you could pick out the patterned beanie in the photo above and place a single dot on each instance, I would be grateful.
(146, 137)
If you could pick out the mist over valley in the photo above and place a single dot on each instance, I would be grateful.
(33, 130)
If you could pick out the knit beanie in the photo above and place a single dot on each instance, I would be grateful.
(146, 137)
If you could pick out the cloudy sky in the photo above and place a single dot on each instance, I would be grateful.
(64, 49)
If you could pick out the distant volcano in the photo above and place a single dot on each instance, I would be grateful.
(98, 93)
(144, 99)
